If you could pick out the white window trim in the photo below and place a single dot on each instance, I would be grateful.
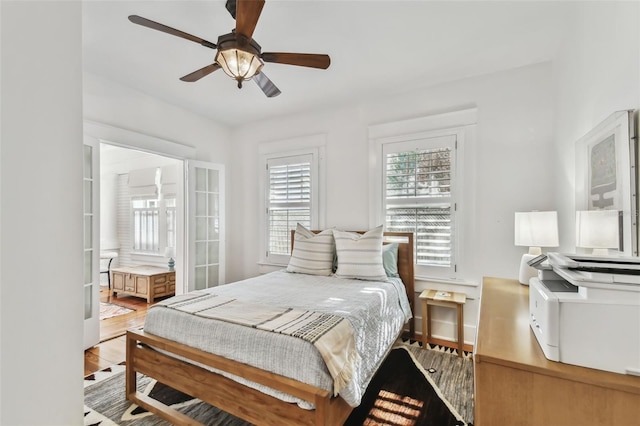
(460, 124)
(304, 145)
(429, 143)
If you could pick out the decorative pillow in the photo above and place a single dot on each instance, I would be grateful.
(390, 259)
(360, 256)
(312, 253)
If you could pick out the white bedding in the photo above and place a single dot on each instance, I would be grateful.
(376, 310)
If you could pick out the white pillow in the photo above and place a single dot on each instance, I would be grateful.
(312, 253)
(360, 256)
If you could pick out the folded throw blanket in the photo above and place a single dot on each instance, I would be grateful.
(332, 335)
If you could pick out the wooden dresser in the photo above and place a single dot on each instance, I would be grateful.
(143, 281)
(516, 385)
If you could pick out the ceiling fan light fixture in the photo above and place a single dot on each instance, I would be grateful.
(239, 64)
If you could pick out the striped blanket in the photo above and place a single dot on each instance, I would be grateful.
(332, 335)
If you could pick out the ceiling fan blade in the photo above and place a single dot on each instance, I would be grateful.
(202, 72)
(266, 85)
(165, 29)
(247, 14)
(300, 59)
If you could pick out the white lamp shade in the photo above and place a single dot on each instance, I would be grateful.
(597, 229)
(536, 229)
(169, 252)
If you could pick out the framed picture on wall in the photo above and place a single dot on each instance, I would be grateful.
(606, 181)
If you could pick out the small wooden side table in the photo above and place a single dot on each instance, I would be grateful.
(447, 299)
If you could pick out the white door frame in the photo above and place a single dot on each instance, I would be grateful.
(142, 142)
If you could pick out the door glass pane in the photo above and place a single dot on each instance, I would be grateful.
(201, 278)
(201, 228)
(201, 204)
(201, 179)
(201, 253)
(88, 235)
(213, 205)
(88, 196)
(87, 301)
(88, 266)
(214, 231)
(213, 252)
(213, 181)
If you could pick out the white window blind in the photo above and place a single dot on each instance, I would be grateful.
(145, 225)
(143, 182)
(418, 196)
(153, 212)
(289, 199)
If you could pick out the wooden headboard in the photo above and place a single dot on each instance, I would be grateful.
(405, 265)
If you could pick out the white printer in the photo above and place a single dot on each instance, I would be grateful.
(585, 310)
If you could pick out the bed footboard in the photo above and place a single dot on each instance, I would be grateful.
(222, 392)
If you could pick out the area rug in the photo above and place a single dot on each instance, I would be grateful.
(407, 390)
(109, 310)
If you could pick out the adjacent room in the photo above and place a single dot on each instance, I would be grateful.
(383, 169)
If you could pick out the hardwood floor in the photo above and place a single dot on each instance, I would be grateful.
(111, 349)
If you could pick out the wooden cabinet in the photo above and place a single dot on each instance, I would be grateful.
(516, 385)
(143, 281)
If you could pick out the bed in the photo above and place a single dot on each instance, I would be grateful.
(262, 394)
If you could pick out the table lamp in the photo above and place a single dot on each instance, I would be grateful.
(535, 230)
(170, 252)
(598, 230)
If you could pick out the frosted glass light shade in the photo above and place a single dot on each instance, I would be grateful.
(536, 229)
(597, 229)
(239, 64)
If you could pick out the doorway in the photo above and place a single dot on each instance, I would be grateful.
(160, 169)
(139, 204)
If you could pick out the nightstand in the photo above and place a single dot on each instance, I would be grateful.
(447, 299)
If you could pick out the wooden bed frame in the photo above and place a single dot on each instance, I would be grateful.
(228, 395)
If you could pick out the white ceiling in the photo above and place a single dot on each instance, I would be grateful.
(377, 48)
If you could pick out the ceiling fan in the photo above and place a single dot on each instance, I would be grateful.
(238, 54)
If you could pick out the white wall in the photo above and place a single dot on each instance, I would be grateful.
(41, 304)
(506, 171)
(123, 107)
(513, 150)
(149, 123)
(597, 72)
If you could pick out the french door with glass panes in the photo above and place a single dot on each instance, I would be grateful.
(91, 219)
(205, 225)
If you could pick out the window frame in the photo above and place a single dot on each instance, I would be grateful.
(276, 205)
(281, 151)
(460, 124)
(428, 143)
(132, 215)
(161, 210)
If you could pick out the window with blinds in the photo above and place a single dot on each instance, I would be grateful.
(418, 197)
(289, 200)
(146, 216)
(153, 211)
